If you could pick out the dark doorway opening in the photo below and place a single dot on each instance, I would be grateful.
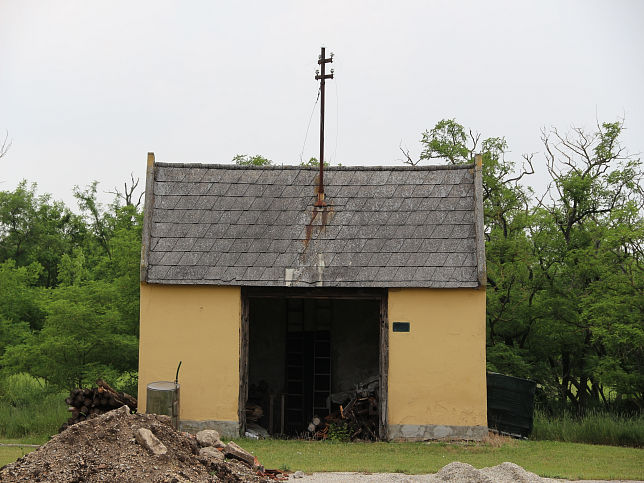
(303, 350)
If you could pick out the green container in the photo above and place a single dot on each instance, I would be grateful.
(510, 404)
(163, 398)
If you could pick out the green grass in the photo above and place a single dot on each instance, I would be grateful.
(594, 428)
(29, 408)
(546, 458)
(9, 455)
(37, 420)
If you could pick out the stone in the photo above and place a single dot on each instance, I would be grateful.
(235, 451)
(164, 419)
(298, 474)
(123, 411)
(209, 437)
(149, 441)
(210, 454)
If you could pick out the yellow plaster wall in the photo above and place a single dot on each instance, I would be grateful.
(198, 325)
(437, 370)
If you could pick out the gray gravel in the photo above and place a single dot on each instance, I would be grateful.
(455, 472)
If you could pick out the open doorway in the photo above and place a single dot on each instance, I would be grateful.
(308, 352)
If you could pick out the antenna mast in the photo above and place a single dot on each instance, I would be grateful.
(322, 61)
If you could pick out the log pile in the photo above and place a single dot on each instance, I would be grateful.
(91, 402)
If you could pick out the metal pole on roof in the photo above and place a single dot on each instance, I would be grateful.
(322, 61)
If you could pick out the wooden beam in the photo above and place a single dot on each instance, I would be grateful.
(243, 362)
(384, 369)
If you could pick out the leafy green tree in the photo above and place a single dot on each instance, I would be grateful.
(590, 248)
(19, 297)
(81, 321)
(510, 262)
(36, 229)
(83, 337)
(565, 287)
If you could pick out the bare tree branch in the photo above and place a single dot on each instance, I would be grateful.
(408, 159)
(128, 192)
(6, 144)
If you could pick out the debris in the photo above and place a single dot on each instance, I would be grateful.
(235, 451)
(149, 441)
(210, 453)
(105, 448)
(209, 437)
(357, 410)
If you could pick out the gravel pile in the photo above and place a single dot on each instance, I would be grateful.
(455, 472)
(504, 473)
(124, 447)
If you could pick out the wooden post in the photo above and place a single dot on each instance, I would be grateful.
(243, 363)
(384, 368)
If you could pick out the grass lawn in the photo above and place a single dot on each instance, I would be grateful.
(546, 458)
(9, 454)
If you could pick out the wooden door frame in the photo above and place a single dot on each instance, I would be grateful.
(381, 295)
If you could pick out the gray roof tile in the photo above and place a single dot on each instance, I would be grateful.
(167, 173)
(393, 227)
(190, 258)
(203, 244)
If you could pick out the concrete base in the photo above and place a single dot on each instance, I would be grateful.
(415, 432)
(226, 429)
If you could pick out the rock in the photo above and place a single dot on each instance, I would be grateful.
(234, 451)
(257, 431)
(210, 454)
(122, 412)
(209, 437)
(162, 418)
(298, 474)
(149, 441)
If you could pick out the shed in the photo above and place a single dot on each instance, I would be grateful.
(256, 288)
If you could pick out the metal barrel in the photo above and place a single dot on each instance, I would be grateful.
(163, 398)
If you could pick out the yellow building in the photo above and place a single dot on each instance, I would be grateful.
(272, 294)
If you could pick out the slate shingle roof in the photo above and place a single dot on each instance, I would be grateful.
(249, 226)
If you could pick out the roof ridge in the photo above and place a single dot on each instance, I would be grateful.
(433, 167)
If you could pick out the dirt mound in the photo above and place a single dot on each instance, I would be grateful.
(105, 448)
(458, 472)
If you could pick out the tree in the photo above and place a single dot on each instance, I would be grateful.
(33, 228)
(80, 321)
(588, 240)
(565, 303)
(128, 194)
(246, 160)
(83, 338)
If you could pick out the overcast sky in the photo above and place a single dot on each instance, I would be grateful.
(87, 88)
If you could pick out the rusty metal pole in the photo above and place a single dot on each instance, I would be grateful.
(322, 76)
(323, 65)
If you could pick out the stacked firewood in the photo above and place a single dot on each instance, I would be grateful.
(90, 402)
